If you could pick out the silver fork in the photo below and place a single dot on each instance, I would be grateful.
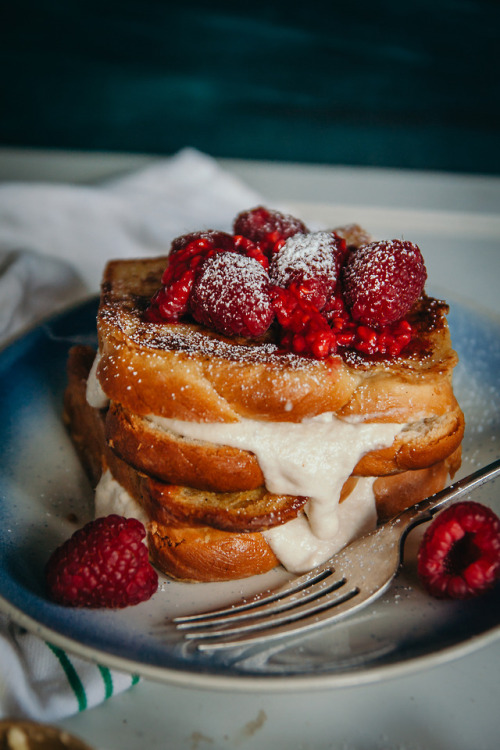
(348, 581)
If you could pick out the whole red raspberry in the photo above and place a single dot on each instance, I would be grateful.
(232, 295)
(267, 227)
(459, 556)
(311, 262)
(104, 564)
(383, 280)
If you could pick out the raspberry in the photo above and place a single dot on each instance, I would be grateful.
(459, 556)
(104, 564)
(311, 262)
(171, 301)
(383, 280)
(389, 340)
(267, 227)
(305, 330)
(244, 246)
(232, 296)
(209, 237)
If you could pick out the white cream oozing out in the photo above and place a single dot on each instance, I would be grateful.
(299, 550)
(111, 497)
(312, 458)
(95, 394)
(293, 543)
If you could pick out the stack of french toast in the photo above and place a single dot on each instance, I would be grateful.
(241, 449)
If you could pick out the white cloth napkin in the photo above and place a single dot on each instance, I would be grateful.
(43, 682)
(56, 238)
(54, 242)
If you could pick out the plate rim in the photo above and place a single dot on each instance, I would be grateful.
(285, 683)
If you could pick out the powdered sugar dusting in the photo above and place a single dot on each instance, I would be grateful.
(232, 295)
(192, 339)
(306, 256)
(382, 281)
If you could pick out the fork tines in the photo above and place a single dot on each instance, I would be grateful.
(302, 604)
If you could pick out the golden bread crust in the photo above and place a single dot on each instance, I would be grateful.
(185, 372)
(418, 446)
(203, 554)
(396, 492)
(163, 455)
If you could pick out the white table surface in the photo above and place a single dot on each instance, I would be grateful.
(455, 219)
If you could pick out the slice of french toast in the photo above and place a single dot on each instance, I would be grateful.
(185, 371)
(152, 447)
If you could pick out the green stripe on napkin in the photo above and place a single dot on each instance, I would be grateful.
(71, 675)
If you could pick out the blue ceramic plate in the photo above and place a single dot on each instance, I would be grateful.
(44, 495)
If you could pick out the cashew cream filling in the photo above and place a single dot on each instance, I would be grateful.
(94, 392)
(312, 458)
(111, 497)
(299, 550)
(293, 543)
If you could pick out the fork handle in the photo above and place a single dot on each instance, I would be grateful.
(425, 509)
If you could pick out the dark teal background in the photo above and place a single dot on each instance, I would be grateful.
(405, 84)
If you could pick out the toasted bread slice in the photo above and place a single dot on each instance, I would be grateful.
(186, 372)
(203, 554)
